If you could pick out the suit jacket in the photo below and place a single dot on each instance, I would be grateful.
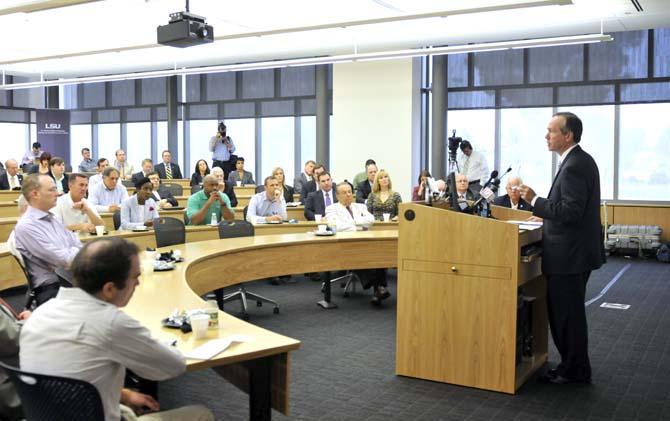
(572, 238)
(160, 169)
(137, 177)
(64, 182)
(307, 188)
(505, 201)
(164, 193)
(4, 181)
(345, 221)
(363, 191)
(247, 178)
(230, 192)
(300, 182)
(315, 205)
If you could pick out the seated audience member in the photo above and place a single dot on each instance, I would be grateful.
(513, 198)
(10, 328)
(139, 209)
(108, 195)
(362, 176)
(43, 165)
(383, 199)
(11, 179)
(32, 156)
(201, 171)
(419, 191)
(96, 179)
(363, 188)
(225, 186)
(43, 241)
(87, 165)
(163, 197)
(57, 172)
(267, 206)
(167, 169)
(319, 200)
(312, 185)
(73, 210)
(304, 177)
(240, 175)
(147, 168)
(287, 191)
(208, 201)
(121, 163)
(462, 188)
(351, 216)
(83, 334)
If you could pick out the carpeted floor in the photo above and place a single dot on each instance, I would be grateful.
(345, 368)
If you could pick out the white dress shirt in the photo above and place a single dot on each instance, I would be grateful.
(260, 207)
(358, 219)
(67, 214)
(101, 197)
(133, 214)
(13, 181)
(79, 336)
(93, 181)
(475, 168)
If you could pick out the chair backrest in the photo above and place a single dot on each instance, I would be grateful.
(175, 189)
(169, 231)
(187, 220)
(244, 212)
(233, 229)
(260, 189)
(128, 183)
(116, 217)
(55, 398)
(68, 168)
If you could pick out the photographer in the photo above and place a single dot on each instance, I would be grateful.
(222, 148)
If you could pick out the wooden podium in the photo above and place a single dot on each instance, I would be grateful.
(459, 281)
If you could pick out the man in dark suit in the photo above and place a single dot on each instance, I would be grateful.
(10, 179)
(304, 177)
(311, 186)
(463, 188)
(513, 198)
(319, 200)
(147, 168)
(166, 169)
(364, 188)
(572, 245)
(161, 194)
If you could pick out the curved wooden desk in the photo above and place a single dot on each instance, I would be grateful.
(262, 364)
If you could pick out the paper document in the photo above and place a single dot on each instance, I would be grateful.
(529, 227)
(534, 223)
(214, 347)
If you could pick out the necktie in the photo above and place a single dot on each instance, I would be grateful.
(12, 182)
(328, 201)
(168, 171)
(350, 212)
(123, 172)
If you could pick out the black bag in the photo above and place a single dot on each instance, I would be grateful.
(663, 253)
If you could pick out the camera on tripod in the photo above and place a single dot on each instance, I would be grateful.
(454, 142)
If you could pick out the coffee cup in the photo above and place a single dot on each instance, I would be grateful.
(176, 254)
(199, 325)
(317, 217)
(239, 183)
(387, 217)
(322, 228)
(99, 230)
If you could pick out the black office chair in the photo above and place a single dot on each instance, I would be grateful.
(55, 398)
(116, 217)
(195, 189)
(128, 183)
(244, 212)
(347, 282)
(175, 189)
(260, 189)
(169, 231)
(68, 168)
(31, 297)
(236, 229)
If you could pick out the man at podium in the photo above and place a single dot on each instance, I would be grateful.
(572, 245)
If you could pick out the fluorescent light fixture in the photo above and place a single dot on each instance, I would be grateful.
(380, 55)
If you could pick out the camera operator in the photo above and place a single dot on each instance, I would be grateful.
(222, 148)
(474, 166)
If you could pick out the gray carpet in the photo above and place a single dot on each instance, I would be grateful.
(345, 367)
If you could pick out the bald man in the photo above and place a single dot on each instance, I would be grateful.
(462, 187)
(513, 197)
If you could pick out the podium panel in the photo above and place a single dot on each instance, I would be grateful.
(460, 285)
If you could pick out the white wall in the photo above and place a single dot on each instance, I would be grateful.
(372, 118)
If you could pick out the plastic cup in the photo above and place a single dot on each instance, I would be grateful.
(239, 183)
(199, 325)
(176, 254)
(317, 217)
(387, 217)
(322, 228)
(99, 230)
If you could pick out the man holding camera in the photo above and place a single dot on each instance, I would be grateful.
(222, 148)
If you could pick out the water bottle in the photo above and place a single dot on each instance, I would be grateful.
(213, 221)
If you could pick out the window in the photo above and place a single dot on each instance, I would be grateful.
(644, 169)
(109, 141)
(307, 141)
(200, 133)
(523, 146)
(598, 141)
(14, 141)
(243, 133)
(278, 146)
(80, 137)
(138, 139)
(477, 126)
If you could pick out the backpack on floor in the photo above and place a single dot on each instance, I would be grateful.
(663, 253)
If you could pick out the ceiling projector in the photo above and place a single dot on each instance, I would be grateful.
(185, 29)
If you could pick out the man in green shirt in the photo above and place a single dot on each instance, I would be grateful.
(208, 201)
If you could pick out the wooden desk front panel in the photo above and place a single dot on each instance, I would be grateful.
(9, 195)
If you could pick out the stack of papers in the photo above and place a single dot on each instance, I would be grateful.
(526, 225)
(214, 347)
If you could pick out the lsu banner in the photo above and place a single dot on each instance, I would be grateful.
(53, 132)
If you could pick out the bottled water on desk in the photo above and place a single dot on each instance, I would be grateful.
(213, 221)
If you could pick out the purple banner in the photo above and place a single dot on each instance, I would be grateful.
(53, 132)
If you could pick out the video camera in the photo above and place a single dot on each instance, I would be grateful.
(222, 129)
(454, 142)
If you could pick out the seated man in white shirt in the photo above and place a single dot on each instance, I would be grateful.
(351, 216)
(139, 210)
(108, 195)
(96, 179)
(82, 334)
(267, 206)
(73, 210)
(513, 197)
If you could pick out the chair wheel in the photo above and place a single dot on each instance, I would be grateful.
(346, 295)
(259, 304)
(245, 317)
(275, 310)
